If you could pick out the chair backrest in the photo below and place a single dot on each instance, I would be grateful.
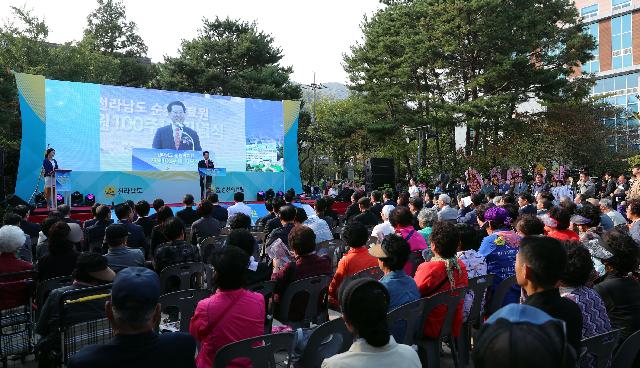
(45, 287)
(225, 231)
(259, 350)
(416, 259)
(266, 288)
(16, 317)
(83, 319)
(601, 347)
(187, 273)
(315, 310)
(185, 301)
(259, 235)
(208, 245)
(478, 286)
(405, 321)
(451, 299)
(371, 273)
(500, 292)
(326, 340)
(628, 352)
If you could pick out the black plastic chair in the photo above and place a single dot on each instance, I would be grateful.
(628, 352)
(190, 275)
(416, 259)
(46, 286)
(259, 350)
(266, 288)
(83, 320)
(600, 347)
(478, 288)
(326, 340)
(500, 292)
(406, 320)
(315, 309)
(16, 319)
(429, 348)
(185, 301)
(374, 273)
(209, 245)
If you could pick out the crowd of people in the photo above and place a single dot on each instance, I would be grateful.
(574, 257)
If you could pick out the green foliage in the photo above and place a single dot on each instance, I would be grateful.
(229, 57)
(111, 32)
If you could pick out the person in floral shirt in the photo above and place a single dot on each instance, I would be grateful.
(475, 263)
(500, 247)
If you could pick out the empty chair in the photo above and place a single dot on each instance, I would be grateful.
(45, 287)
(16, 290)
(310, 293)
(185, 301)
(499, 294)
(478, 288)
(328, 339)
(182, 276)
(260, 351)
(406, 321)
(266, 288)
(628, 352)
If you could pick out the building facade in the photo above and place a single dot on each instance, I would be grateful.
(615, 24)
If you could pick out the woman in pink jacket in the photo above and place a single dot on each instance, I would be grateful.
(402, 221)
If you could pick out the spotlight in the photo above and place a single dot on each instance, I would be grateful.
(89, 200)
(260, 196)
(76, 199)
(59, 199)
(269, 194)
(280, 194)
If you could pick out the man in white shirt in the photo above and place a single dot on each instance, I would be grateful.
(239, 206)
(385, 228)
(607, 208)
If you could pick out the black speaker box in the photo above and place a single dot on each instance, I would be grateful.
(379, 173)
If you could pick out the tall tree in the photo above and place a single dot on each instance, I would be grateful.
(229, 57)
(111, 32)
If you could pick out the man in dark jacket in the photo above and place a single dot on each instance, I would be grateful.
(286, 217)
(366, 217)
(206, 226)
(219, 213)
(136, 238)
(144, 221)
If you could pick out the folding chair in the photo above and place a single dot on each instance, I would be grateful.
(266, 288)
(372, 273)
(600, 347)
(46, 286)
(83, 319)
(210, 247)
(326, 340)
(185, 301)
(628, 352)
(189, 275)
(310, 293)
(16, 317)
(260, 351)
(499, 293)
(478, 289)
(405, 321)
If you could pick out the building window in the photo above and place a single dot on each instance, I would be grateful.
(589, 12)
(621, 42)
(592, 66)
(622, 91)
(619, 4)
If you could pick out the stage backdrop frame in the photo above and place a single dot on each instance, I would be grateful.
(117, 186)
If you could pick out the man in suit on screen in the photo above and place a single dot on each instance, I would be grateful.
(176, 135)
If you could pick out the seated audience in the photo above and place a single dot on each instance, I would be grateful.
(157, 234)
(633, 214)
(315, 223)
(229, 315)
(287, 216)
(526, 204)
(499, 247)
(540, 263)
(157, 204)
(415, 206)
(136, 238)
(618, 288)
(11, 241)
(93, 219)
(476, 265)
(467, 215)
(94, 234)
(302, 242)
(176, 250)
(240, 221)
(262, 221)
(355, 236)
(387, 197)
(239, 206)
(65, 212)
(443, 272)
(392, 254)
(206, 225)
(445, 211)
(385, 228)
(402, 222)
(275, 223)
(30, 228)
(257, 271)
(25, 252)
(353, 209)
(426, 218)
(557, 222)
(42, 248)
(219, 213)
(188, 215)
(525, 337)
(365, 303)
(142, 208)
(119, 255)
(322, 208)
(61, 260)
(90, 270)
(528, 225)
(376, 202)
(607, 209)
(366, 216)
(134, 313)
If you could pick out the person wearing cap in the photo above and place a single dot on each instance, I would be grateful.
(61, 259)
(229, 315)
(618, 287)
(522, 336)
(119, 255)
(606, 206)
(587, 220)
(633, 214)
(91, 270)
(134, 312)
(556, 224)
(176, 250)
(441, 273)
(385, 228)
(392, 254)
(402, 221)
(365, 303)
(366, 217)
(539, 265)
(445, 212)
(355, 236)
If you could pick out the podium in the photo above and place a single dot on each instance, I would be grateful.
(218, 171)
(62, 184)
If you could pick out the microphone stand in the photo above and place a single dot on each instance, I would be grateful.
(35, 191)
